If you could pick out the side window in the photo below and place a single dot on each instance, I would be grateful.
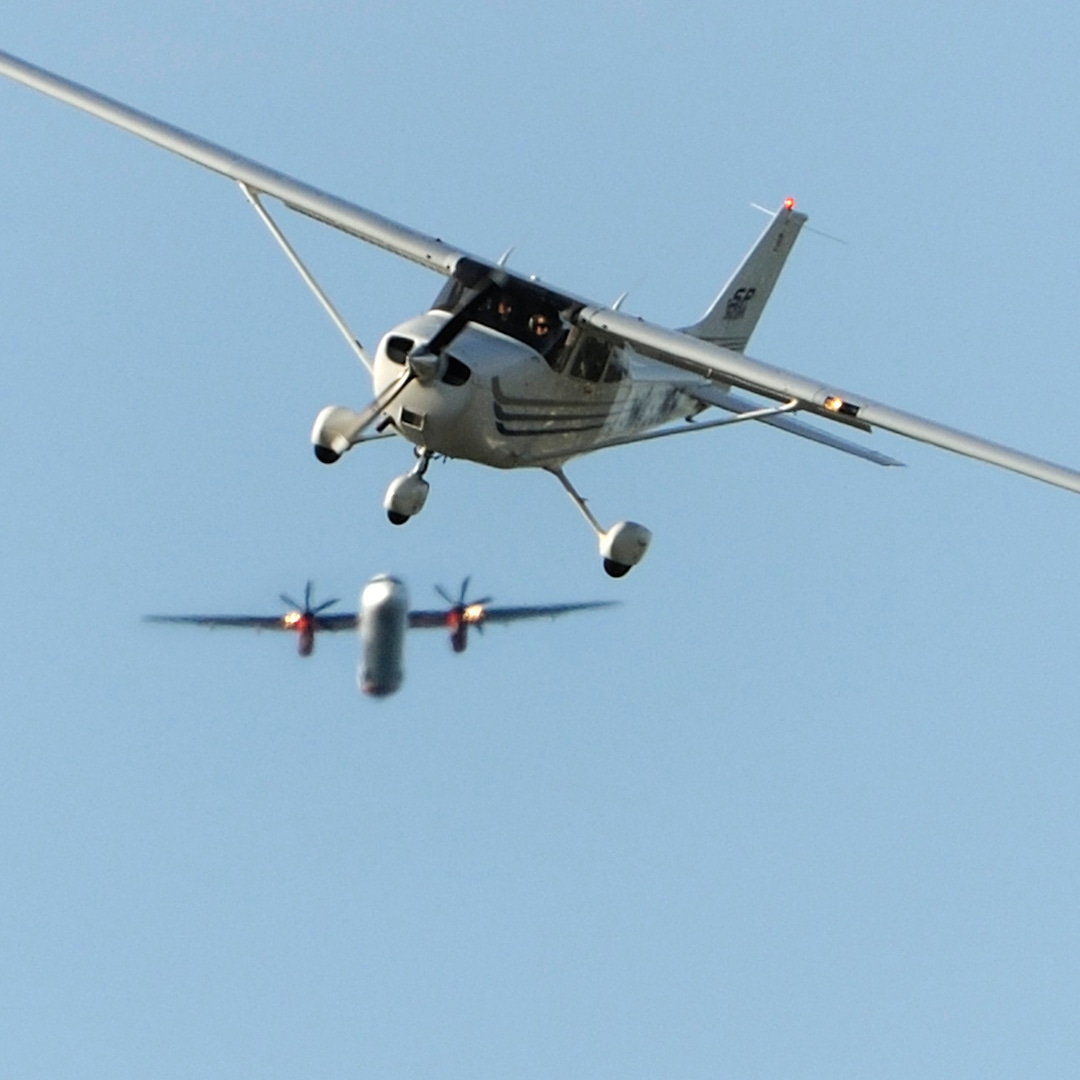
(590, 359)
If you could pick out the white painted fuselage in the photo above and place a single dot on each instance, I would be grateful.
(499, 402)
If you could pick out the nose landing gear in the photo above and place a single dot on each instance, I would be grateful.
(406, 495)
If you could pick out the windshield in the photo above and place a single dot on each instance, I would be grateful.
(526, 314)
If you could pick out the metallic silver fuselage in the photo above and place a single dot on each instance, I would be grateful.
(384, 608)
(515, 410)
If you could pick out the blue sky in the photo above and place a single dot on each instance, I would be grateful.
(804, 806)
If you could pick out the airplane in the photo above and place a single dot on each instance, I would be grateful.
(508, 372)
(383, 618)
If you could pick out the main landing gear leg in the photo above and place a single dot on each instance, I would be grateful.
(406, 495)
(622, 546)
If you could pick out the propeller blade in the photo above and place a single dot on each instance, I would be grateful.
(445, 595)
(289, 602)
(464, 590)
(457, 322)
(324, 605)
(307, 595)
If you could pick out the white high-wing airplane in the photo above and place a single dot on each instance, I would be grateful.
(510, 373)
(382, 620)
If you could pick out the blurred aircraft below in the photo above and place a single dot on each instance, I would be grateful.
(381, 622)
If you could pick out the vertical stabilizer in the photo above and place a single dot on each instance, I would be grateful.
(735, 312)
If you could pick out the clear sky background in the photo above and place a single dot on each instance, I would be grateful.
(806, 805)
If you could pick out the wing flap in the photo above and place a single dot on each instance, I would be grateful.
(720, 365)
(297, 195)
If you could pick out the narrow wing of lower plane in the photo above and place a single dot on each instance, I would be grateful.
(728, 369)
(323, 623)
(297, 195)
(540, 611)
(479, 613)
(243, 622)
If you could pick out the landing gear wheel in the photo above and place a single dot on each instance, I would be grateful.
(326, 455)
(615, 569)
(398, 519)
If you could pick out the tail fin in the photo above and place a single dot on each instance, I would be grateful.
(735, 312)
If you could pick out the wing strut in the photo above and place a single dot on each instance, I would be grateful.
(754, 414)
(252, 197)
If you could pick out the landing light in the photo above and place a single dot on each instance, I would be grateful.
(473, 613)
(833, 404)
(294, 618)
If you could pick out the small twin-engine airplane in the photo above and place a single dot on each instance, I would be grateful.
(507, 372)
(383, 618)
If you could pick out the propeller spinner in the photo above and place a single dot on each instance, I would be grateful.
(463, 614)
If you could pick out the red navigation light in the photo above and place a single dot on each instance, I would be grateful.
(789, 203)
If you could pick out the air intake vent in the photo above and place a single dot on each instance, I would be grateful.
(398, 348)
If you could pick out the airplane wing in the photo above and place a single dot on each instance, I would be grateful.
(731, 369)
(712, 394)
(248, 622)
(334, 623)
(541, 611)
(303, 198)
(323, 623)
(429, 620)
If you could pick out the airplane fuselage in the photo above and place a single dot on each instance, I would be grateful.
(384, 605)
(500, 401)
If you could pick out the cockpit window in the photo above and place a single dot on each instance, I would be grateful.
(526, 312)
(591, 358)
(524, 317)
